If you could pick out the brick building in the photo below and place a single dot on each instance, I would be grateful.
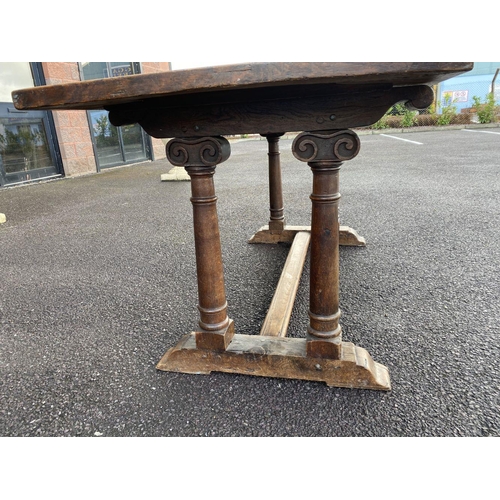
(45, 144)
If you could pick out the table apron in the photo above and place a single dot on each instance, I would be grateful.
(314, 112)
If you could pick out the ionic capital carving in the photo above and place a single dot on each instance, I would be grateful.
(198, 152)
(331, 145)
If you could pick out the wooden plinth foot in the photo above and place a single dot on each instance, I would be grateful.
(350, 238)
(217, 341)
(175, 174)
(278, 357)
(286, 235)
(347, 235)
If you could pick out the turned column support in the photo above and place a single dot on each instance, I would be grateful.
(276, 208)
(325, 152)
(200, 156)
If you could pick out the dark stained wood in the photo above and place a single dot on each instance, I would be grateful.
(261, 356)
(198, 107)
(324, 153)
(276, 216)
(96, 94)
(200, 157)
(252, 113)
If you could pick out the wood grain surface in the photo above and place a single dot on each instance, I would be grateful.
(99, 94)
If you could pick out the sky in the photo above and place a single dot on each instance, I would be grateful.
(221, 32)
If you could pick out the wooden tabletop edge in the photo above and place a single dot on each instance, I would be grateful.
(96, 94)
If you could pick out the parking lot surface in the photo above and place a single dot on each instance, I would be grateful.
(98, 280)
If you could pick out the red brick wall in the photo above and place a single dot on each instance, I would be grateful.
(72, 127)
(155, 67)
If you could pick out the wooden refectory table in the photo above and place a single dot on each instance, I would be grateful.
(196, 108)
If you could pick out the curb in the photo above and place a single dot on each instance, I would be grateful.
(440, 128)
(369, 131)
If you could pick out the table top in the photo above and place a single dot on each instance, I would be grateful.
(110, 92)
(262, 98)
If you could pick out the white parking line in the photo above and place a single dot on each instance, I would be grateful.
(480, 131)
(401, 139)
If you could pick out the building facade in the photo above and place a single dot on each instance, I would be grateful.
(480, 81)
(37, 145)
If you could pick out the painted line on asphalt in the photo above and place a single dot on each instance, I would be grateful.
(480, 131)
(401, 139)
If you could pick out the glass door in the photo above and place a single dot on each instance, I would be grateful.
(115, 145)
(26, 151)
(105, 140)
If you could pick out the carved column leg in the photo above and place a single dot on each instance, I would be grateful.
(277, 218)
(200, 156)
(324, 152)
(277, 230)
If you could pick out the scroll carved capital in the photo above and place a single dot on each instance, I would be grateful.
(332, 145)
(198, 152)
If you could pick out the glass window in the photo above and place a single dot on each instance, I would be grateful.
(23, 146)
(106, 138)
(94, 70)
(114, 145)
(25, 152)
(121, 68)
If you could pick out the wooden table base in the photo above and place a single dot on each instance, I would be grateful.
(281, 358)
(216, 345)
(277, 231)
(347, 235)
(197, 108)
(271, 353)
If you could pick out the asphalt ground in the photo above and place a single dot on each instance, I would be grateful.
(98, 280)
